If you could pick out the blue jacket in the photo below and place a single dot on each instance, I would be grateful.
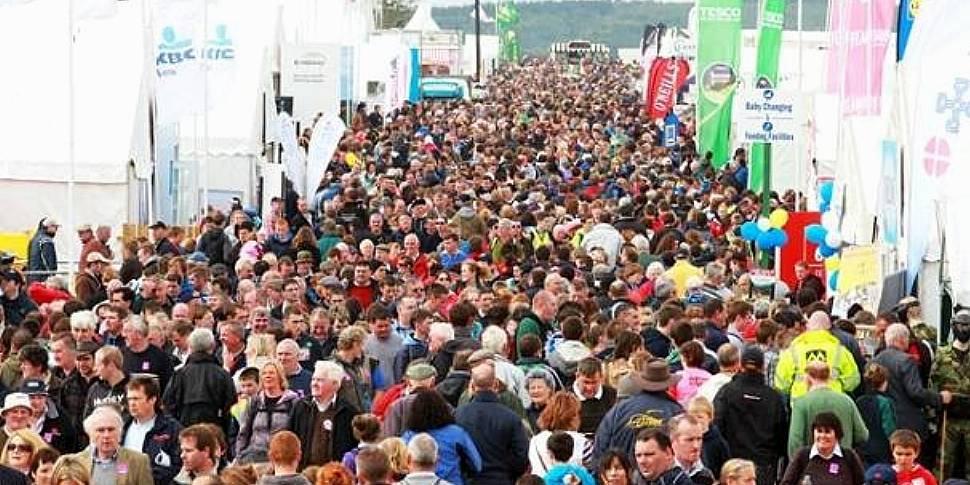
(454, 446)
(621, 424)
(500, 437)
(162, 447)
(556, 474)
(412, 350)
(42, 257)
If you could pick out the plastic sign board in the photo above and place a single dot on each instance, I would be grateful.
(768, 116)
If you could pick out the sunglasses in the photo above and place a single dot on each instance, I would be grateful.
(21, 448)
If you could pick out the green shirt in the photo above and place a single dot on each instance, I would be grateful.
(807, 406)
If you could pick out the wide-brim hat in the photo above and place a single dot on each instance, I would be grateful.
(15, 400)
(656, 376)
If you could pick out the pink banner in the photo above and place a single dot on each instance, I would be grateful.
(860, 33)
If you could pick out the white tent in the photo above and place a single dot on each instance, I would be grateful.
(108, 126)
(422, 21)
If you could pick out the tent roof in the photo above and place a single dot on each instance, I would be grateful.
(422, 21)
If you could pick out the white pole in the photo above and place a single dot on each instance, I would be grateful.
(800, 164)
(71, 253)
(205, 109)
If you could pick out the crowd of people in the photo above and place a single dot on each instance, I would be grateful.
(528, 289)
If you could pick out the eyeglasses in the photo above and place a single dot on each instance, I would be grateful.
(23, 448)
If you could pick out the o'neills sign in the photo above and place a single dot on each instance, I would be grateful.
(666, 78)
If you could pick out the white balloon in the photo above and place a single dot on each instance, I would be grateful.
(764, 224)
(830, 221)
(833, 239)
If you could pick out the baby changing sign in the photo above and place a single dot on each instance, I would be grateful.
(768, 116)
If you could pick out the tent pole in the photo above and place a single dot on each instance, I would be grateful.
(205, 110)
(800, 164)
(70, 141)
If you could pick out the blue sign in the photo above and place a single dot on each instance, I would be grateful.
(671, 129)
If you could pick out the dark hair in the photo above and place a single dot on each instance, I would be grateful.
(805, 297)
(627, 342)
(572, 328)
(530, 480)
(655, 434)
(693, 354)
(46, 454)
(127, 294)
(560, 446)
(712, 307)
(34, 355)
(461, 314)
(668, 313)
(681, 333)
(828, 421)
(427, 411)
(377, 312)
(590, 366)
(147, 384)
(366, 427)
(249, 374)
(204, 439)
(373, 464)
(529, 345)
(606, 461)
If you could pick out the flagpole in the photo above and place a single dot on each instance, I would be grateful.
(800, 163)
(478, 40)
(70, 138)
(205, 109)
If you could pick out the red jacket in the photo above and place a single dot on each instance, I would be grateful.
(41, 294)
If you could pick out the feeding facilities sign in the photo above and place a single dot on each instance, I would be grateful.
(768, 116)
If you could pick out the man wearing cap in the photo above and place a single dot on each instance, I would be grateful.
(323, 419)
(49, 420)
(951, 372)
(98, 241)
(16, 304)
(41, 253)
(419, 375)
(78, 382)
(16, 413)
(89, 288)
(162, 244)
(651, 407)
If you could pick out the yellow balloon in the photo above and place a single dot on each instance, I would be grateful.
(778, 218)
(832, 264)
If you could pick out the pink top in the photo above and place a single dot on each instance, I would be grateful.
(691, 379)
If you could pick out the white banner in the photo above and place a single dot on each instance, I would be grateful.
(398, 81)
(326, 135)
(185, 50)
(293, 158)
(310, 73)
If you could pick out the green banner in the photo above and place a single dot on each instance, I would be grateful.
(770, 24)
(506, 19)
(718, 51)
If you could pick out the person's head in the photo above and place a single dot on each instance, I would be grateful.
(18, 453)
(614, 468)
(801, 270)
(272, 377)
(249, 382)
(422, 453)
(288, 355)
(42, 466)
(351, 342)
(544, 305)
(103, 428)
(589, 377)
(428, 411)
(561, 413)
(69, 470)
(702, 410)
(108, 363)
(198, 448)
(687, 437)
(826, 431)
(653, 453)
(284, 449)
(366, 428)
(483, 377)
(33, 362)
(373, 466)
(905, 445)
(738, 472)
(876, 377)
(326, 379)
(379, 320)
(818, 373)
(560, 446)
(397, 453)
(540, 384)
(83, 325)
(143, 394)
(897, 336)
(16, 411)
(202, 340)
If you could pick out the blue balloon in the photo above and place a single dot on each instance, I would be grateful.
(833, 279)
(824, 207)
(766, 241)
(825, 192)
(750, 231)
(815, 233)
(826, 251)
(781, 238)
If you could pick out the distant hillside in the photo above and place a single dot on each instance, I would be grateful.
(617, 24)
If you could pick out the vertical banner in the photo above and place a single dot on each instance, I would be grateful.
(326, 135)
(310, 73)
(667, 75)
(908, 10)
(861, 31)
(888, 197)
(178, 74)
(771, 22)
(718, 53)
(293, 159)
(507, 18)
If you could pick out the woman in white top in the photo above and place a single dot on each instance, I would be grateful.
(560, 414)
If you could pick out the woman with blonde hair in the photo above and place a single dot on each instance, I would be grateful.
(397, 452)
(269, 410)
(738, 472)
(20, 449)
(560, 414)
(70, 471)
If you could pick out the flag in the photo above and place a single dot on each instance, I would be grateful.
(667, 76)
(507, 18)
(860, 33)
(327, 133)
(483, 15)
(294, 162)
(718, 52)
(771, 22)
(908, 11)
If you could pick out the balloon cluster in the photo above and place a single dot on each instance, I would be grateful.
(767, 232)
(826, 235)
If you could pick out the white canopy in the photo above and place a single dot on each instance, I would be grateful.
(422, 21)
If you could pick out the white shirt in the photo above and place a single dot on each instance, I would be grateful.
(539, 456)
(135, 436)
(579, 393)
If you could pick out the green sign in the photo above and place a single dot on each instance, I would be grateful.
(718, 52)
(770, 24)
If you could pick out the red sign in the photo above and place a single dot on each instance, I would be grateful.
(799, 249)
(667, 75)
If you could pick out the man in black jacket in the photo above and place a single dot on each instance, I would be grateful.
(151, 432)
(201, 391)
(497, 432)
(753, 417)
(323, 419)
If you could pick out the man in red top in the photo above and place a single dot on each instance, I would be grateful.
(362, 288)
(905, 445)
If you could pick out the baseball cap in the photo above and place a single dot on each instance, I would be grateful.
(753, 355)
(158, 225)
(33, 387)
(85, 348)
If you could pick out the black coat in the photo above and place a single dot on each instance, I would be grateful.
(201, 392)
(753, 418)
(58, 430)
(500, 437)
(163, 438)
(342, 438)
(907, 391)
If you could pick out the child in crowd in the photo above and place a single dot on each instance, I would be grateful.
(905, 446)
(560, 446)
(879, 413)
